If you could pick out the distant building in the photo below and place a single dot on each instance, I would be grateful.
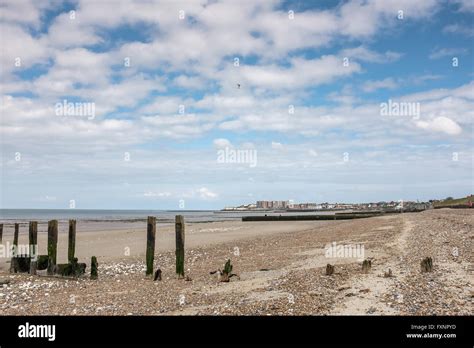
(272, 204)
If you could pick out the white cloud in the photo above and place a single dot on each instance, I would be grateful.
(19, 46)
(205, 193)
(221, 143)
(459, 29)
(364, 54)
(68, 32)
(191, 82)
(24, 11)
(157, 194)
(301, 73)
(446, 52)
(441, 124)
(388, 83)
(277, 145)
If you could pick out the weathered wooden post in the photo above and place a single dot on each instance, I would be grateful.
(366, 266)
(52, 245)
(150, 244)
(329, 269)
(1, 232)
(179, 227)
(426, 264)
(94, 266)
(71, 241)
(33, 236)
(14, 261)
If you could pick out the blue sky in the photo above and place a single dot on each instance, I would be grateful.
(160, 121)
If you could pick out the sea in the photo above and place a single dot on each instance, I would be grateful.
(43, 215)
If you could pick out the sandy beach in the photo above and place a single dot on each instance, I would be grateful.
(281, 268)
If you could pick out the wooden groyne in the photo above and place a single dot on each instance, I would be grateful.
(31, 262)
(337, 216)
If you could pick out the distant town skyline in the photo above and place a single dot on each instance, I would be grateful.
(207, 104)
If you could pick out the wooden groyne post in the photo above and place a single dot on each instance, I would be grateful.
(427, 265)
(94, 268)
(1, 232)
(366, 266)
(52, 245)
(179, 227)
(33, 237)
(150, 244)
(71, 241)
(329, 269)
(14, 261)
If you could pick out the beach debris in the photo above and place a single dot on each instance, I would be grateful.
(52, 245)
(157, 275)
(388, 274)
(364, 291)
(264, 270)
(179, 229)
(188, 279)
(343, 288)
(371, 310)
(150, 244)
(225, 275)
(366, 265)
(94, 268)
(4, 281)
(426, 265)
(329, 269)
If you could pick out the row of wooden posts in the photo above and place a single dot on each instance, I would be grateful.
(426, 266)
(53, 242)
(52, 249)
(150, 244)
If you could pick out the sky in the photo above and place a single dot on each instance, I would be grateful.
(206, 104)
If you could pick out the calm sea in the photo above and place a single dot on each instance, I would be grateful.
(42, 215)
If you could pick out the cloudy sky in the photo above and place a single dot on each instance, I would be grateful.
(299, 84)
